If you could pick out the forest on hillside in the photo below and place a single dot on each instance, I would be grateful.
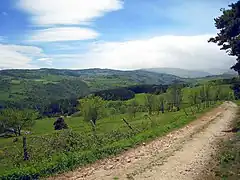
(53, 91)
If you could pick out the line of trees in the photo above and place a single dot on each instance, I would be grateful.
(94, 108)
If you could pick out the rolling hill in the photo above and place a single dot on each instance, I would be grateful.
(96, 79)
(37, 87)
(184, 73)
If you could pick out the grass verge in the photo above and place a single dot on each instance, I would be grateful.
(229, 157)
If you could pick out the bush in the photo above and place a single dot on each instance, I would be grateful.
(60, 124)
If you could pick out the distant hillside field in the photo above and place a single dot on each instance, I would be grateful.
(39, 88)
(97, 79)
(185, 73)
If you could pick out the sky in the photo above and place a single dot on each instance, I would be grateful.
(116, 34)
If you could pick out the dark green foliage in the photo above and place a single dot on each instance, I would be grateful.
(51, 98)
(115, 94)
(229, 36)
(61, 107)
(145, 88)
(129, 92)
(60, 124)
(236, 89)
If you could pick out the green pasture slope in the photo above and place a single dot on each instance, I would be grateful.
(53, 151)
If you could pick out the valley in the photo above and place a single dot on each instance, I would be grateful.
(97, 124)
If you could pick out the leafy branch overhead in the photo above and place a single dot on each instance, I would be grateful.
(229, 36)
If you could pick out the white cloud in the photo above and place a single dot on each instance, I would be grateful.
(47, 61)
(59, 12)
(190, 52)
(17, 56)
(63, 34)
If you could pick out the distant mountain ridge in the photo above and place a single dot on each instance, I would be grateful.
(96, 78)
(185, 73)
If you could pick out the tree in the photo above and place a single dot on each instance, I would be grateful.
(175, 95)
(218, 93)
(208, 94)
(133, 108)
(193, 97)
(149, 103)
(231, 96)
(92, 109)
(236, 90)
(193, 100)
(15, 120)
(60, 124)
(229, 36)
(160, 104)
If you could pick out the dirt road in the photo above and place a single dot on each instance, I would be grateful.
(182, 154)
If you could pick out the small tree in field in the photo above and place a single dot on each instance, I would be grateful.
(193, 97)
(60, 124)
(202, 94)
(149, 103)
(208, 94)
(160, 104)
(218, 93)
(133, 108)
(17, 119)
(175, 95)
(92, 109)
(193, 100)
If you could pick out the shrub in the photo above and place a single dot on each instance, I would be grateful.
(60, 124)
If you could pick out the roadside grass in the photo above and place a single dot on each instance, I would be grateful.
(54, 152)
(229, 158)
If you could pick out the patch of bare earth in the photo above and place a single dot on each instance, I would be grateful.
(182, 154)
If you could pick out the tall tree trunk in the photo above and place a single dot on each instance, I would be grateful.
(162, 107)
(19, 131)
(93, 128)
